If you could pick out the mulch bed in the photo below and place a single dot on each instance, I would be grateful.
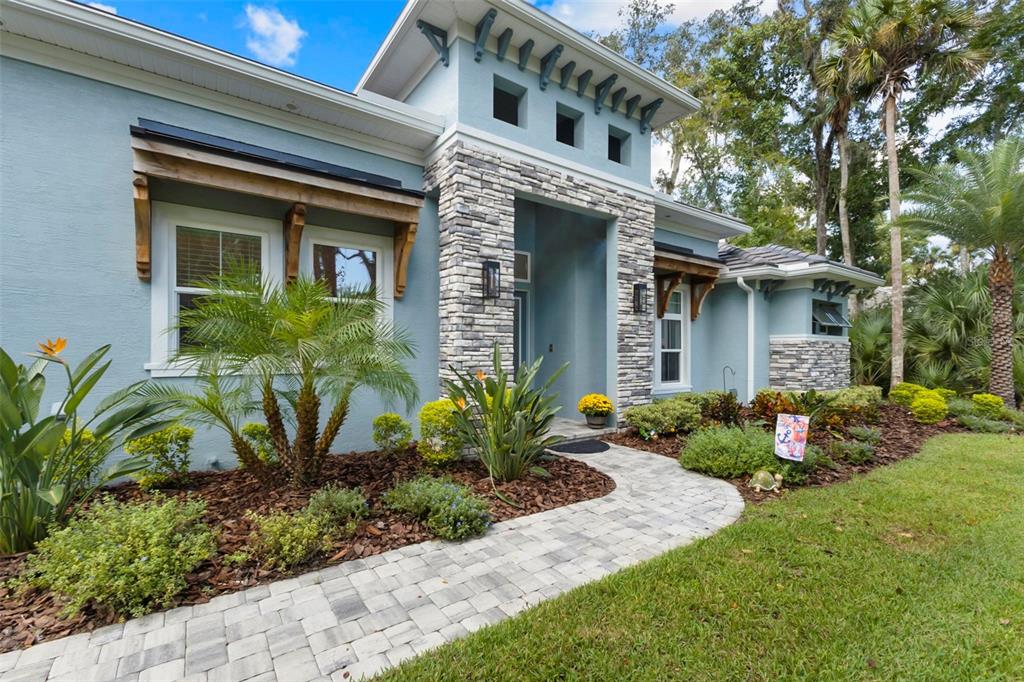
(31, 616)
(902, 437)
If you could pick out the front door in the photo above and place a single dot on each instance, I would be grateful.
(520, 328)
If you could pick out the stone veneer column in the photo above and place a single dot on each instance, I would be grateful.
(476, 205)
(800, 364)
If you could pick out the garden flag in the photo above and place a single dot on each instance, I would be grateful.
(791, 436)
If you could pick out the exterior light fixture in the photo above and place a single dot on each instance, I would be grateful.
(640, 297)
(491, 279)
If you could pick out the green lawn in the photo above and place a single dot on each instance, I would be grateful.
(915, 571)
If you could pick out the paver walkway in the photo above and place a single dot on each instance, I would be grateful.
(364, 615)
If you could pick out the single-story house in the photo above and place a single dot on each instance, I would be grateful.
(490, 176)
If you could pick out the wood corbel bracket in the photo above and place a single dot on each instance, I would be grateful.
(294, 222)
(143, 228)
(666, 285)
(698, 293)
(405, 237)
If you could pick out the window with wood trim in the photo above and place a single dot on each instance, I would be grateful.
(672, 343)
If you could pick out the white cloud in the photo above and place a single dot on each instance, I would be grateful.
(105, 8)
(273, 38)
(602, 16)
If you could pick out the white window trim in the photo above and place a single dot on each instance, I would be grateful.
(529, 267)
(684, 383)
(166, 218)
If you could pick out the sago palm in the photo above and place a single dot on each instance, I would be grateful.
(303, 347)
(981, 201)
(888, 42)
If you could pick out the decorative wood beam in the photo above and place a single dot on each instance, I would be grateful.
(504, 40)
(698, 292)
(631, 104)
(601, 91)
(583, 81)
(483, 29)
(524, 54)
(617, 99)
(437, 38)
(685, 267)
(294, 221)
(547, 65)
(566, 75)
(647, 113)
(405, 237)
(666, 285)
(143, 228)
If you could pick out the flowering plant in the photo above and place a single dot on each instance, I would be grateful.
(595, 405)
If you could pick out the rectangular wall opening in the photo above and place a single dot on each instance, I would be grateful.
(618, 145)
(568, 126)
(509, 99)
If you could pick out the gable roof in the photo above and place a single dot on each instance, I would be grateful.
(782, 262)
(406, 56)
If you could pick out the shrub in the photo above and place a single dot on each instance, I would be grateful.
(595, 405)
(928, 407)
(730, 451)
(391, 433)
(282, 540)
(853, 452)
(719, 407)
(865, 434)
(862, 397)
(768, 405)
(797, 473)
(983, 424)
(168, 452)
(946, 393)
(664, 417)
(262, 443)
(988, 405)
(128, 557)
(450, 511)
(904, 393)
(506, 419)
(339, 507)
(439, 442)
(958, 407)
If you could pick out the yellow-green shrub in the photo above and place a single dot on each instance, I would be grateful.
(283, 540)
(261, 441)
(946, 393)
(928, 407)
(904, 393)
(988, 405)
(168, 452)
(391, 433)
(439, 442)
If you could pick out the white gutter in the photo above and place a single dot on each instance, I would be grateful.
(750, 336)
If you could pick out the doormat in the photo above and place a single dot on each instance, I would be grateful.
(580, 447)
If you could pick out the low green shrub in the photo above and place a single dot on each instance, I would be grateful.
(1015, 417)
(853, 452)
(130, 557)
(168, 453)
(865, 434)
(857, 396)
(988, 405)
(258, 436)
(904, 393)
(984, 424)
(958, 407)
(439, 442)
(797, 473)
(729, 451)
(282, 540)
(391, 433)
(718, 407)
(928, 407)
(663, 417)
(449, 509)
(340, 507)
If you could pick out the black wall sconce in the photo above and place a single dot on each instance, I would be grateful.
(491, 273)
(640, 297)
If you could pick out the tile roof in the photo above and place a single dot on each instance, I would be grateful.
(774, 256)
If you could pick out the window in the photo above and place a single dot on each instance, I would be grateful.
(827, 319)
(618, 145)
(568, 126)
(508, 101)
(671, 344)
(202, 254)
(350, 261)
(342, 268)
(521, 268)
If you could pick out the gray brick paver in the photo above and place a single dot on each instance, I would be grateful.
(354, 619)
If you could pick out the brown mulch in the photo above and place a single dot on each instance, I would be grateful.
(30, 616)
(902, 437)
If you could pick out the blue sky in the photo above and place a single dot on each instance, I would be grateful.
(330, 41)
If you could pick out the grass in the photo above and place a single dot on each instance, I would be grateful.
(915, 571)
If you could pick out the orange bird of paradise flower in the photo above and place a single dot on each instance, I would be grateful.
(461, 402)
(53, 348)
(480, 376)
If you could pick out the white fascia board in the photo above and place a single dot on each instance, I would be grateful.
(134, 35)
(692, 218)
(812, 271)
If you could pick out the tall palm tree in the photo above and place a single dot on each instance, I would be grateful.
(834, 75)
(981, 200)
(889, 42)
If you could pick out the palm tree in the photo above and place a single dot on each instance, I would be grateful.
(888, 43)
(834, 75)
(982, 201)
(301, 347)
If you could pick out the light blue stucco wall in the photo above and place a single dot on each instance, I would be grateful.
(471, 83)
(67, 231)
(702, 247)
(791, 309)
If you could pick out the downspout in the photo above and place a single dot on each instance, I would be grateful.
(750, 336)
